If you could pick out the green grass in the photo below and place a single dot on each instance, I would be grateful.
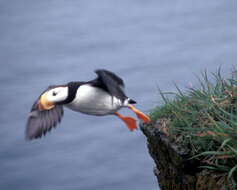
(205, 120)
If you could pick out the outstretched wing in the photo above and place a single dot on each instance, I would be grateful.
(111, 83)
(40, 122)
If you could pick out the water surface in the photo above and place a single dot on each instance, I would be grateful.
(148, 43)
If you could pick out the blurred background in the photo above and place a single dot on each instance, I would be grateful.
(150, 44)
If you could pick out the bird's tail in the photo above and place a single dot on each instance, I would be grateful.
(131, 101)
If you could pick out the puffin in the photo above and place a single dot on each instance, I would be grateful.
(99, 97)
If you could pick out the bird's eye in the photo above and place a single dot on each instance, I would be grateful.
(54, 93)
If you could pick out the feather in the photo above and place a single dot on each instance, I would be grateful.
(41, 122)
(110, 83)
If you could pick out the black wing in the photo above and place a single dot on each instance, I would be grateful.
(104, 73)
(40, 122)
(110, 83)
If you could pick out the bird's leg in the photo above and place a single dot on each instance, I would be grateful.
(129, 121)
(139, 114)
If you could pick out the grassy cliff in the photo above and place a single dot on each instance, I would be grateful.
(203, 121)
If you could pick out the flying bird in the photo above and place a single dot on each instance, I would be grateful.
(101, 96)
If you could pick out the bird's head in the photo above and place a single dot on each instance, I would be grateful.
(52, 96)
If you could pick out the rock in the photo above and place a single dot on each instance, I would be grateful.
(174, 169)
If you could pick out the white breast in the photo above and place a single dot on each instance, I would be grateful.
(94, 101)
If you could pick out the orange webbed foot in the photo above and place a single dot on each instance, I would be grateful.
(129, 121)
(139, 114)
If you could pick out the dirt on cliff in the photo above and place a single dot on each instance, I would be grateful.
(174, 169)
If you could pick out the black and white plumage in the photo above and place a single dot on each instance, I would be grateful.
(101, 96)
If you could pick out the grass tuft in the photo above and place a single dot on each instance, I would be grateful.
(205, 118)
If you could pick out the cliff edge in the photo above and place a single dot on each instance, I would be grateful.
(174, 170)
(192, 137)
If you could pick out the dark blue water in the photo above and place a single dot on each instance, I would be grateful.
(148, 43)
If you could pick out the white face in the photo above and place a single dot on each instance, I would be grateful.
(57, 94)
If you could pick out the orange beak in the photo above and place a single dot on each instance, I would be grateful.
(44, 104)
